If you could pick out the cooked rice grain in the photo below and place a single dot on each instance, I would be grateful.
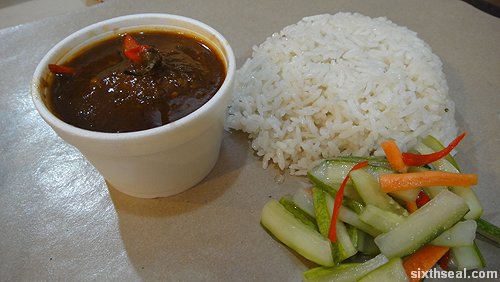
(340, 84)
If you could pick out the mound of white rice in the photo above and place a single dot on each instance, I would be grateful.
(340, 84)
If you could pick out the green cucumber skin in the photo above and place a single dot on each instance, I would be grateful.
(323, 217)
(300, 214)
(321, 273)
(391, 271)
(423, 225)
(301, 238)
(489, 231)
(344, 273)
(343, 248)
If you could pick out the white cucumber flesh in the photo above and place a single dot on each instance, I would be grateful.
(382, 220)
(391, 271)
(329, 174)
(303, 198)
(422, 226)
(350, 217)
(369, 190)
(461, 234)
(467, 257)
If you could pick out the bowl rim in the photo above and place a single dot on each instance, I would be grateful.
(58, 48)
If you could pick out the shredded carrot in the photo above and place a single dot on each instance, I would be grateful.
(411, 206)
(422, 260)
(394, 155)
(413, 180)
(332, 233)
(419, 160)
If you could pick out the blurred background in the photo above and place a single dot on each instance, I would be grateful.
(14, 12)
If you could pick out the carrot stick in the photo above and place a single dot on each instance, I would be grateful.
(411, 206)
(394, 155)
(413, 180)
(422, 260)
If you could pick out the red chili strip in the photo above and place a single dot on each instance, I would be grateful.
(444, 261)
(132, 49)
(332, 233)
(422, 199)
(411, 159)
(60, 69)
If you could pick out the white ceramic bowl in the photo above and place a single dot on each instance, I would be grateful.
(151, 163)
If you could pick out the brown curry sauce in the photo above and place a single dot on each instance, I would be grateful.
(107, 95)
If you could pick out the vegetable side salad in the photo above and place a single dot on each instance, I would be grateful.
(406, 213)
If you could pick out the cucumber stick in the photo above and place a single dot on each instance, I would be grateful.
(368, 189)
(391, 271)
(295, 234)
(348, 216)
(475, 207)
(343, 248)
(329, 174)
(353, 235)
(489, 231)
(467, 257)
(461, 234)
(321, 210)
(374, 161)
(423, 225)
(344, 272)
(300, 214)
(303, 199)
(382, 220)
